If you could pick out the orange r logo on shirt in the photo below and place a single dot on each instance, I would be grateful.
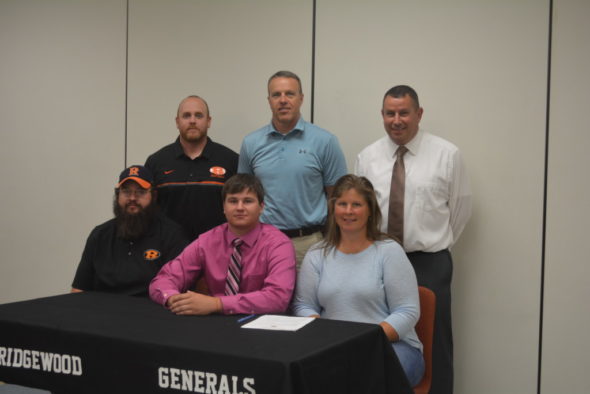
(151, 254)
(217, 172)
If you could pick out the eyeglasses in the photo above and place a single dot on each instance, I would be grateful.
(133, 192)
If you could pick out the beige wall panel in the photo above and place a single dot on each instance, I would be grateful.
(566, 321)
(481, 78)
(222, 51)
(479, 67)
(61, 141)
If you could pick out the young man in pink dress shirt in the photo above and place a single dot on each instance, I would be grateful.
(267, 277)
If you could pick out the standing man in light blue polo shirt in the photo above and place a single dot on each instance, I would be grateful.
(297, 162)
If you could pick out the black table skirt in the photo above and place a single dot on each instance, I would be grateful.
(102, 343)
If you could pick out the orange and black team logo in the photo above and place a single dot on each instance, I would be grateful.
(217, 172)
(151, 254)
(133, 171)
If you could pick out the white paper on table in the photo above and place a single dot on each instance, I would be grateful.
(278, 322)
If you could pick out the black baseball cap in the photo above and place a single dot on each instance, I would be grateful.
(139, 174)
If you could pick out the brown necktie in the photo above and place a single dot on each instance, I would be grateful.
(395, 222)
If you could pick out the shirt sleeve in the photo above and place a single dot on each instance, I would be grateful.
(244, 165)
(306, 301)
(401, 290)
(277, 289)
(177, 275)
(334, 163)
(175, 243)
(460, 198)
(358, 167)
(84, 278)
(149, 164)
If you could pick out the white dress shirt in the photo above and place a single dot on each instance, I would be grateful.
(437, 200)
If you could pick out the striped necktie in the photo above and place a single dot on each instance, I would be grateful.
(232, 283)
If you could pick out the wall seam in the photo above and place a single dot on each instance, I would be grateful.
(545, 187)
(126, 83)
(313, 39)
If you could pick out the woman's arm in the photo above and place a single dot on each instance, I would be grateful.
(306, 301)
(401, 292)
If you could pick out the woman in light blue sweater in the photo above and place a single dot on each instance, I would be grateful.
(360, 274)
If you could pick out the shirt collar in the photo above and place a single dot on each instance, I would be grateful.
(413, 146)
(249, 239)
(299, 127)
(179, 152)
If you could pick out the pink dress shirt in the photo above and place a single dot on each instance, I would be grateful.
(268, 270)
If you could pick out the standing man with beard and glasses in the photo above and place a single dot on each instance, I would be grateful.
(424, 195)
(297, 162)
(249, 267)
(190, 172)
(125, 253)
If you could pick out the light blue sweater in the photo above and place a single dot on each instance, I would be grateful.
(375, 285)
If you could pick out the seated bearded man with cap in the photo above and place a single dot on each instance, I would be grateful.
(124, 254)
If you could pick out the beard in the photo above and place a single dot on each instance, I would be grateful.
(193, 136)
(132, 226)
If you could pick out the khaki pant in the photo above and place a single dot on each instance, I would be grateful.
(302, 244)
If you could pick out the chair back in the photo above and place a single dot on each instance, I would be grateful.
(425, 332)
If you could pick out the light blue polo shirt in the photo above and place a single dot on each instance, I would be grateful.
(294, 169)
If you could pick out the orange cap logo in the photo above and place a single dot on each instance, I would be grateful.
(151, 254)
(133, 171)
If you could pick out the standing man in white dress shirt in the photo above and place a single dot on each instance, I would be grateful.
(436, 205)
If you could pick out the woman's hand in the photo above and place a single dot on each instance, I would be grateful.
(389, 331)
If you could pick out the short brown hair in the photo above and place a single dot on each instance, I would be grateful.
(197, 97)
(286, 74)
(401, 91)
(240, 182)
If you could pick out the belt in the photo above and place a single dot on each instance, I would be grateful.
(421, 253)
(300, 232)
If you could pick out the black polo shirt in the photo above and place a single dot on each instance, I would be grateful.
(189, 191)
(114, 265)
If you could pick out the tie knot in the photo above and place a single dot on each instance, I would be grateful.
(401, 151)
(237, 242)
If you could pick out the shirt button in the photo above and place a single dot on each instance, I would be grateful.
(129, 254)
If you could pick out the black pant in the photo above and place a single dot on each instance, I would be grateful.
(435, 271)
